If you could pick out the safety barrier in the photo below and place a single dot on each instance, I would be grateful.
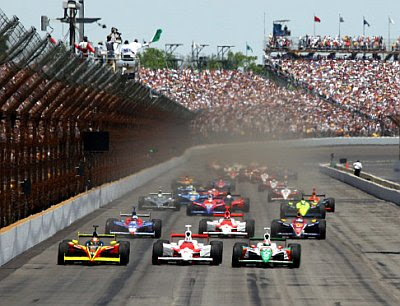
(368, 185)
(26, 233)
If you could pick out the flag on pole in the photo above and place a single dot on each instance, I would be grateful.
(157, 36)
(317, 19)
(248, 48)
(391, 21)
(341, 19)
(366, 23)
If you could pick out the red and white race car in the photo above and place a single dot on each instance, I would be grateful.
(285, 193)
(270, 183)
(187, 250)
(227, 226)
(234, 201)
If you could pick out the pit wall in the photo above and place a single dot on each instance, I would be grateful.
(366, 183)
(21, 236)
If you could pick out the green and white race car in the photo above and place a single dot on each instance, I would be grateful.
(266, 253)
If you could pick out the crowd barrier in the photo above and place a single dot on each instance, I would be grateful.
(19, 237)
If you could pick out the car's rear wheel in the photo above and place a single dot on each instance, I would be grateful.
(330, 204)
(158, 251)
(237, 254)
(110, 225)
(322, 229)
(295, 254)
(322, 211)
(283, 210)
(157, 225)
(275, 227)
(246, 205)
(250, 227)
(177, 206)
(62, 250)
(124, 251)
(189, 209)
(216, 252)
(203, 225)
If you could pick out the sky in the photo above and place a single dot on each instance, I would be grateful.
(214, 22)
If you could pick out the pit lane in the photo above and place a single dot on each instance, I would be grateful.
(358, 263)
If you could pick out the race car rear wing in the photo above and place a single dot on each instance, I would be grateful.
(218, 214)
(139, 215)
(317, 195)
(193, 236)
(98, 235)
(262, 239)
(163, 193)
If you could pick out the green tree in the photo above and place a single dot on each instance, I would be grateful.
(153, 58)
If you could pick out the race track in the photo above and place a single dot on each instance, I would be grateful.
(358, 263)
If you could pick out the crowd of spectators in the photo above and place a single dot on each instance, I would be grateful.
(359, 43)
(369, 87)
(235, 103)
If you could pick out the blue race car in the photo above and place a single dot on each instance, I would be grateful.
(186, 197)
(134, 226)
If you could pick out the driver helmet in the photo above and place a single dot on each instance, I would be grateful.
(227, 215)
(303, 202)
(210, 197)
(95, 240)
(160, 193)
(188, 236)
(267, 240)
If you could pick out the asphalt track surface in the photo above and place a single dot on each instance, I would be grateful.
(358, 263)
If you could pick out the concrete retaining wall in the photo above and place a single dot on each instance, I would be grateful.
(28, 232)
(19, 237)
(368, 186)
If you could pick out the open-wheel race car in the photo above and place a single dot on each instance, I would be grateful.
(223, 185)
(93, 251)
(299, 228)
(303, 207)
(266, 253)
(270, 183)
(183, 181)
(321, 199)
(133, 225)
(158, 201)
(234, 201)
(207, 207)
(187, 250)
(285, 194)
(227, 226)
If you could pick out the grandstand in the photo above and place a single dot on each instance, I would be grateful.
(49, 98)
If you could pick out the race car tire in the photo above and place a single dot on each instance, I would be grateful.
(177, 206)
(157, 227)
(296, 254)
(109, 225)
(62, 250)
(261, 188)
(203, 225)
(189, 210)
(322, 229)
(330, 204)
(246, 207)
(250, 227)
(283, 210)
(216, 252)
(275, 228)
(158, 251)
(141, 202)
(237, 254)
(124, 251)
(322, 211)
